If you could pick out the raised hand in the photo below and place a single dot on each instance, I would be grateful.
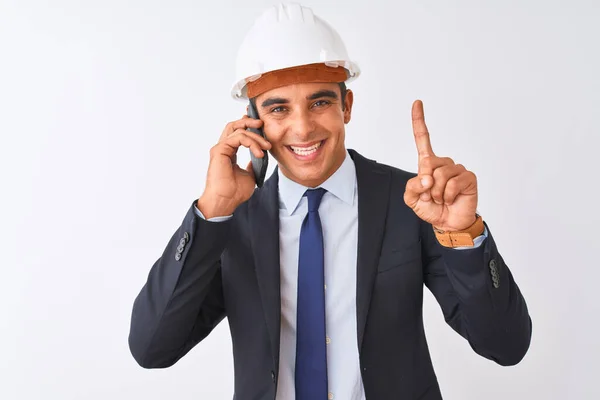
(443, 193)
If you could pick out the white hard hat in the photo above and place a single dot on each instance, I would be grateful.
(285, 36)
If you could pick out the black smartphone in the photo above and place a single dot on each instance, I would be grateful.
(259, 165)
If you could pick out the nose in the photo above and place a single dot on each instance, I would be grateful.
(301, 125)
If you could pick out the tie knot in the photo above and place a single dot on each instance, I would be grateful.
(314, 198)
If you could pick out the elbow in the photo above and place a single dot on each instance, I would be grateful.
(506, 347)
(512, 359)
(138, 351)
(145, 360)
(141, 341)
(516, 348)
(145, 357)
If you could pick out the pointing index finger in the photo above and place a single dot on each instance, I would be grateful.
(420, 131)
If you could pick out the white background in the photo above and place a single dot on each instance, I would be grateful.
(107, 113)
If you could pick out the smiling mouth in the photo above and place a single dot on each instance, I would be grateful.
(306, 150)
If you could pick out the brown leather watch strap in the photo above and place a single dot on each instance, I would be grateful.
(460, 238)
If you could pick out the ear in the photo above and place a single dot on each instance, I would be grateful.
(348, 105)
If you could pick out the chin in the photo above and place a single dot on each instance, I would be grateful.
(310, 177)
(304, 175)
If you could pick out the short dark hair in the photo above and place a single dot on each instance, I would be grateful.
(343, 91)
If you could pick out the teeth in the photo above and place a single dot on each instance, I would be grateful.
(305, 151)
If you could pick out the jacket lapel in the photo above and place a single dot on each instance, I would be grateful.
(373, 197)
(263, 210)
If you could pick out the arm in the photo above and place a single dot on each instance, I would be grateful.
(182, 300)
(492, 317)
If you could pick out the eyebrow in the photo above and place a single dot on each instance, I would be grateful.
(274, 100)
(317, 95)
(323, 93)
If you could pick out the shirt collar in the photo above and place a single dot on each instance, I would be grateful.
(342, 184)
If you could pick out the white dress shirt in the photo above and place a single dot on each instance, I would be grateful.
(339, 218)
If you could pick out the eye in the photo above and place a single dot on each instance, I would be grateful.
(321, 103)
(277, 109)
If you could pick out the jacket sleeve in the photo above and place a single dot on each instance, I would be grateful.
(479, 297)
(182, 299)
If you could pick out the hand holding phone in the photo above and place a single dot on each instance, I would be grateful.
(227, 185)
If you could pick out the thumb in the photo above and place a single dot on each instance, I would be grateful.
(415, 187)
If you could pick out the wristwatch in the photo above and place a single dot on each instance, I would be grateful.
(460, 238)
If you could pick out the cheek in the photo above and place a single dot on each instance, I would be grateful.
(336, 137)
(274, 133)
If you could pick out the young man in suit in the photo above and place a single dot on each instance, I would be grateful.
(321, 270)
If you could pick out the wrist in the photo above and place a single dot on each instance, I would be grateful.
(212, 206)
(463, 237)
(467, 226)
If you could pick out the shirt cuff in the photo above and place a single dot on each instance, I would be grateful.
(213, 219)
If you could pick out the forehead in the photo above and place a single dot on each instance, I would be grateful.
(298, 91)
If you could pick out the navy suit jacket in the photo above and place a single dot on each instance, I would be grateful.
(212, 270)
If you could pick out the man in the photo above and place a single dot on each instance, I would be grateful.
(321, 270)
